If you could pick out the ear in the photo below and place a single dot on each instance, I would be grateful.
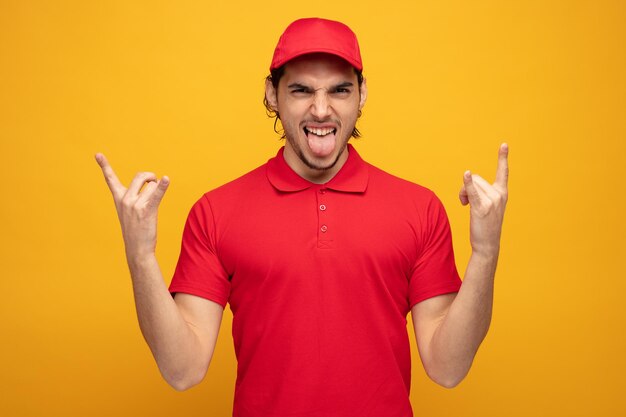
(271, 95)
(363, 91)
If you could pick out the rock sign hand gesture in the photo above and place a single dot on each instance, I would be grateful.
(136, 207)
(487, 203)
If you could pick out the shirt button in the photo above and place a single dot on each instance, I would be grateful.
(324, 228)
(322, 191)
(322, 207)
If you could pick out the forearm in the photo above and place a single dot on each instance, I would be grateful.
(456, 340)
(173, 342)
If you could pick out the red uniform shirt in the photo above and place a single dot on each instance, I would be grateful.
(320, 279)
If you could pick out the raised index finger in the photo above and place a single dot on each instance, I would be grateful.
(502, 173)
(116, 187)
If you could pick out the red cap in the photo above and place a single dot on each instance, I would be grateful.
(311, 35)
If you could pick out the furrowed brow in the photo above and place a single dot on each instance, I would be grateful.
(298, 86)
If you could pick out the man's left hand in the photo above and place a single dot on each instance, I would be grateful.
(487, 203)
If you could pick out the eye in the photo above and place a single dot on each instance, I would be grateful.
(300, 91)
(341, 91)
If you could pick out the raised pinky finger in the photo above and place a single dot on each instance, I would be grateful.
(160, 190)
(470, 188)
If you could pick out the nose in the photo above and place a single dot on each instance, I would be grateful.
(321, 108)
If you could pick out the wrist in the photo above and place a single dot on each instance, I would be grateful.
(138, 261)
(485, 256)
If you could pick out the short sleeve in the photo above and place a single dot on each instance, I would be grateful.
(199, 270)
(434, 272)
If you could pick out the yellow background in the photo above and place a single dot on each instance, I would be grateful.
(176, 87)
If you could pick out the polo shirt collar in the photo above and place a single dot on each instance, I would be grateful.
(351, 178)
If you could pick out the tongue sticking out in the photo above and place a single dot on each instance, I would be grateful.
(321, 146)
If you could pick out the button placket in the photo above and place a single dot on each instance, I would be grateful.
(324, 234)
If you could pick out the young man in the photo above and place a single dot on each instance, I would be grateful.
(320, 255)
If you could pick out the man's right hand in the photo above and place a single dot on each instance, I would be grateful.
(181, 331)
(137, 208)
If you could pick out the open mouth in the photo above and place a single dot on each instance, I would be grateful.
(321, 140)
(319, 131)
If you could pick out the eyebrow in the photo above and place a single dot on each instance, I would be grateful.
(306, 87)
(298, 85)
(345, 84)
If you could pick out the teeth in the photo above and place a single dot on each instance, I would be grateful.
(319, 131)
